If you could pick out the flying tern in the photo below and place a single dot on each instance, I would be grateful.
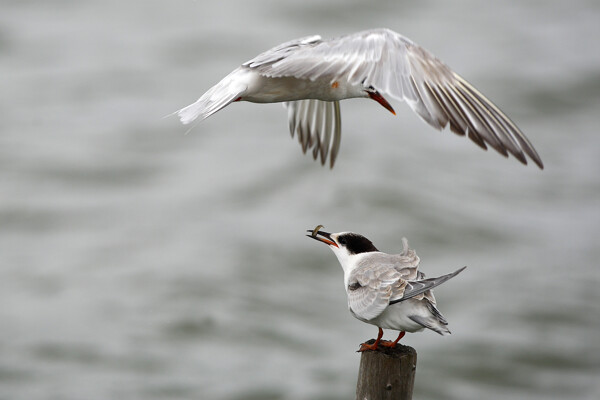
(311, 75)
(386, 290)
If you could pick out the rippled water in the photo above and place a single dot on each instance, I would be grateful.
(140, 262)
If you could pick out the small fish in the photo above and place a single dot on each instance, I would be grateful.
(316, 230)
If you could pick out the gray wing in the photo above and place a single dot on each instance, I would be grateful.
(428, 294)
(394, 65)
(407, 262)
(370, 290)
(282, 51)
(415, 288)
(318, 125)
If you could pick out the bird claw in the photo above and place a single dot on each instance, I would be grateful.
(375, 345)
(365, 347)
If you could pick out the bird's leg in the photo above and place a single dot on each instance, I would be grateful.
(373, 346)
(393, 344)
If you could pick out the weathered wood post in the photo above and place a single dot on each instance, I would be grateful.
(386, 373)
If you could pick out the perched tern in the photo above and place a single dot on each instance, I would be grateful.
(311, 75)
(386, 290)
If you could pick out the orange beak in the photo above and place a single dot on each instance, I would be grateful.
(381, 100)
(325, 239)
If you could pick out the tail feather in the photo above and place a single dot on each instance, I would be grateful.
(431, 323)
(436, 313)
(219, 96)
(431, 318)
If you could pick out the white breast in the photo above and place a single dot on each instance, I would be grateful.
(262, 89)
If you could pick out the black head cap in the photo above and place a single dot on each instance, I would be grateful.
(356, 243)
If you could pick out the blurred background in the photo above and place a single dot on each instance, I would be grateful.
(139, 262)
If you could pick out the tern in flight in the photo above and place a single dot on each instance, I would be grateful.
(311, 75)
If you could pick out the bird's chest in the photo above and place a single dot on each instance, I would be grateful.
(272, 90)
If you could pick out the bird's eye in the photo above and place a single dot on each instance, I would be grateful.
(342, 240)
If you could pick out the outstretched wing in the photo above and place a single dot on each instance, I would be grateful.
(396, 66)
(282, 51)
(318, 125)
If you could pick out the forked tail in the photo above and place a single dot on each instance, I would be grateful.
(226, 91)
(434, 321)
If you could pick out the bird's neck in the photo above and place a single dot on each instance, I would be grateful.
(350, 263)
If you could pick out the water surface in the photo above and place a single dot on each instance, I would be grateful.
(140, 262)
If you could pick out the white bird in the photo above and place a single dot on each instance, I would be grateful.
(311, 76)
(386, 290)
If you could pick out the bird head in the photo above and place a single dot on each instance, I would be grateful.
(345, 245)
(375, 95)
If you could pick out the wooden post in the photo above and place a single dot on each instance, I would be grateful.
(386, 373)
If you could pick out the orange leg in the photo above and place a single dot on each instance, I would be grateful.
(393, 344)
(373, 346)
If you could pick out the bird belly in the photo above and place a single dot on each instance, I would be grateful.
(262, 89)
(397, 316)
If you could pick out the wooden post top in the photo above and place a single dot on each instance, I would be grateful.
(386, 373)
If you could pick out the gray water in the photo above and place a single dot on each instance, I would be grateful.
(138, 262)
